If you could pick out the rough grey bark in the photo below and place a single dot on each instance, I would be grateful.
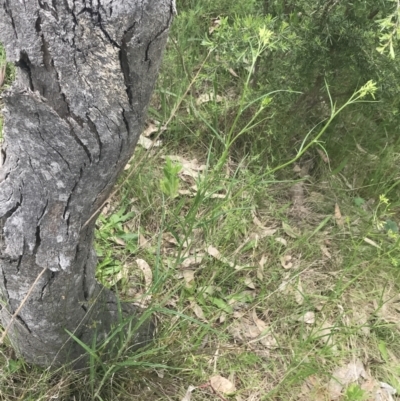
(86, 70)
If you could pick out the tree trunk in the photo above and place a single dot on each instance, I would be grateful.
(86, 70)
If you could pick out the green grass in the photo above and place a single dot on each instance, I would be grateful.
(272, 265)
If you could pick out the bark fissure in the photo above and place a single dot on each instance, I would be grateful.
(125, 119)
(18, 264)
(84, 284)
(73, 189)
(43, 211)
(124, 62)
(158, 35)
(25, 65)
(3, 156)
(93, 129)
(38, 239)
(48, 282)
(105, 33)
(5, 284)
(13, 209)
(52, 147)
(23, 323)
(80, 143)
(8, 11)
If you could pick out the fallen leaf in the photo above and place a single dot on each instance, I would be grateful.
(370, 385)
(298, 295)
(380, 391)
(147, 273)
(232, 72)
(119, 241)
(249, 283)
(253, 239)
(192, 261)
(361, 320)
(256, 221)
(188, 276)
(252, 331)
(186, 192)
(222, 385)
(249, 330)
(151, 128)
(370, 242)
(188, 394)
(261, 325)
(222, 317)
(267, 232)
(297, 193)
(389, 311)
(325, 333)
(169, 239)
(338, 216)
(323, 155)
(190, 168)
(123, 274)
(147, 143)
(264, 231)
(218, 196)
(197, 310)
(313, 389)
(143, 242)
(214, 252)
(240, 312)
(262, 261)
(343, 376)
(385, 393)
(346, 181)
(269, 341)
(283, 287)
(286, 262)
(308, 318)
(281, 241)
(260, 270)
(361, 149)
(208, 97)
(215, 23)
(325, 251)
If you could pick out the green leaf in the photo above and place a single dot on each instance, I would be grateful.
(383, 351)
(221, 304)
(359, 201)
(243, 296)
(355, 393)
(128, 236)
(391, 225)
(13, 366)
(169, 184)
